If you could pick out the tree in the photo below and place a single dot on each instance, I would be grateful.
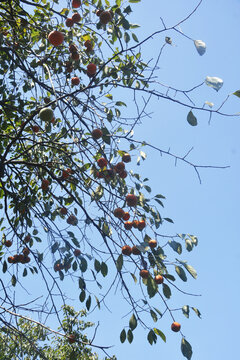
(27, 339)
(66, 141)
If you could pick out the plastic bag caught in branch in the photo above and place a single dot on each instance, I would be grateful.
(200, 46)
(214, 82)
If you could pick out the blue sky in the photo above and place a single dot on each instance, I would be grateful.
(209, 210)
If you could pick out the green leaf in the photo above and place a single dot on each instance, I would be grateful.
(153, 315)
(134, 278)
(191, 270)
(185, 310)
(126, 37)
(130, 336)
(81, 284)
(189, 245)
(54, 247)
(14, 280)
(186, 349)
(104, 269)
(166, 291)
(135, 37)
(119, 262)
(181, 273)
(152, 337)
(237, 93)
(152, 287)
(160, 333)
(4, 268)
(88, 303)
(83, 265)
(123, 336)
(82, 296)
(197, 312)
(192, 120)
(176, 246)
(133, 322)
(169, 220)
(97, 265)
(25, 272)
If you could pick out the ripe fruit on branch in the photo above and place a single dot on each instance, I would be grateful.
(119, 167)
(71, 339)
(10, 259)
(46, 114)
(76, 17)
(128, 225)
(131, 200)
(77, 252)
(119, 213)
(63, 211)
(76, 4)
(97, 134)
(105, 17)
(27, 238)
(126, 216)
(75, 80)
(26, 251)
(57, 267)
(99, 12)
(144, 273)
(158, 279)
(141, 225)
(123, 174)
(175, 326)
(72, 48)
(35, 129)
(8, 243)
(69, 22)
(91, 69)
(126, 158)
(75, 55)
(135, 250)
(102, 162)
(135, 224)
(72, 220)
(45, 184)
(152, 243)
(126, 250)
(55, 38)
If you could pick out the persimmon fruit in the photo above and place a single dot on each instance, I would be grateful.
(119, 213)
(91, 69)
(56, 38)
(35, 129)
(72, 220)
(135, 224)
(141, 225)
(144, 273)
(135, 250)
(75, 55)
(126, 250)
(97, 134)
(123, 174)
(126, 216)
(131, 200)
(75, 80)
(71, 338)
(76, 4)
(63, 211)
(69, 22)
(128, 225)
(158, 279)
(102, 162)
(76, 17)
(119, 167)
(73, 48)
(126, 158)
(152, 243)
(77, 252)
(8, 243)
(105, 17)
(175, 326)
(45, 184)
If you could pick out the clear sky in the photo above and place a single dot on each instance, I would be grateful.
(209, 210)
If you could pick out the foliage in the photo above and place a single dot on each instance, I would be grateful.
(61, 182)
(27, 340)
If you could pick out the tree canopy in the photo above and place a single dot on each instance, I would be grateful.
(74, 84)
